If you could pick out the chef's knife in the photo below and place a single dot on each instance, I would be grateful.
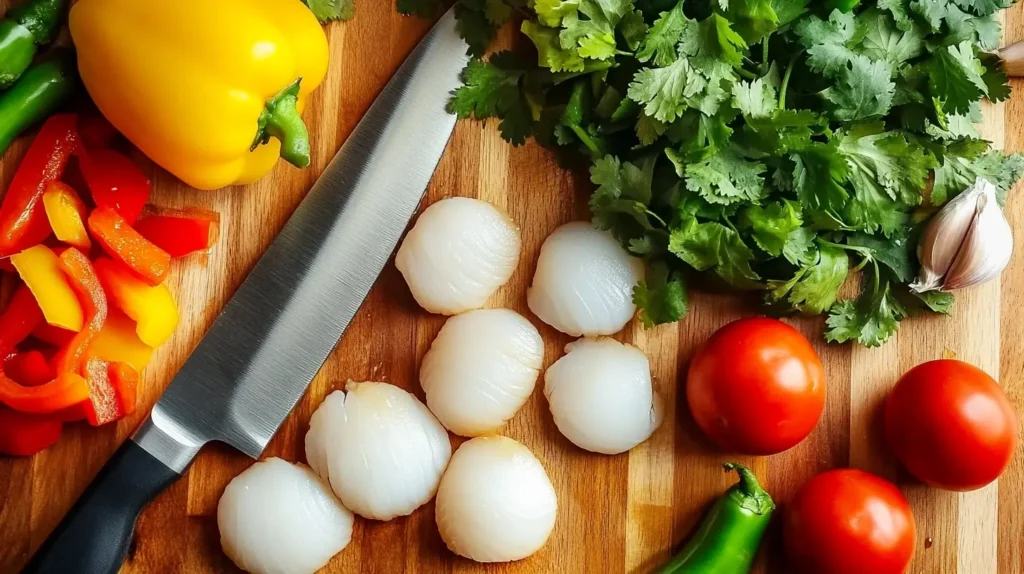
(276, 332)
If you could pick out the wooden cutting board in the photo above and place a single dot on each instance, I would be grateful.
(616, 514)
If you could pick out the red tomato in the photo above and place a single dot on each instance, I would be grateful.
(951, 425)
(848, 522)
(756, 386)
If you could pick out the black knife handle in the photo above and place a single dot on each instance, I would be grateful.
(94, 536)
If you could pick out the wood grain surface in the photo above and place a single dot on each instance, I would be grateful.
(616, 513)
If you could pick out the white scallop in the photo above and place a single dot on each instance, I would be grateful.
(278, 518)
(458, 254)
(496, 502)
(584, 282)
(380, 449)
(480, 369)
(601, 395)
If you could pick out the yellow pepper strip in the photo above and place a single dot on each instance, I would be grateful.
(152, 308)
(119, 343)
(65, 211)
(39, 268)
(198, 86)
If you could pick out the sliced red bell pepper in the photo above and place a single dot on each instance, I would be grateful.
(23, 220)
(95, 131)
(67, 390)
(180, 233)
(29, 368)
(72, 358)
(24, 434)
(115, 181)
(125, 244)
(19, 319)
(111, 391)
(53, 335)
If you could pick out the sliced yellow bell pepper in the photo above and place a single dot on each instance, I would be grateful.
(65, 211)
(152, 308)
(39, 268)
(198, 85)
(119, 343)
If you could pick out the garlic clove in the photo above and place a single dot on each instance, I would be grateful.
(945, 234)
(986, 249)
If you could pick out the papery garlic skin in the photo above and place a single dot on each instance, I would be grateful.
(968, 242)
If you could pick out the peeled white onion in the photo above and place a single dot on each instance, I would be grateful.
(278, 518)
(480, 369)
(380, 449)
(496, 502)
(584, 282)
(601, 395)
(458, 254)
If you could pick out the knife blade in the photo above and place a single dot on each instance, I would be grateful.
(262, 351)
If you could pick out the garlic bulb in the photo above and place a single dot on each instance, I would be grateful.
(601, 395)
(496, 502)
(379, 448)
(968, 242)
(480, 370)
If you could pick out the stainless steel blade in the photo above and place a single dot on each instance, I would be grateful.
(276, 332)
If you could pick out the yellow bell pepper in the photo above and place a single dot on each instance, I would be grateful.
(65, 211)
(39, 268)
(119, 343)
(152, 308)
(198, 85)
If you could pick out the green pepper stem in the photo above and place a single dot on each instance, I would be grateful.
(280, 119)
(759, 499)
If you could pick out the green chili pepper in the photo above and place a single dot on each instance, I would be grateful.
(25, 27)
(727, 540)
(36, 94)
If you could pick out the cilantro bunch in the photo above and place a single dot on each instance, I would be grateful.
(772, 146)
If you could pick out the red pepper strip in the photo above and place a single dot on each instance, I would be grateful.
(95, 131)
(29, 368)
(179, 235)
(115, 181)
(24, 435)
(82, 277)
(23, 220)
(67, 390)
(111, 391)
(126, 245)
(53, 335)
(21, 316)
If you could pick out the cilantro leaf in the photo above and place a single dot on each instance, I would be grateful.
(659, 46)
(870, 319)
(897, 254)
(955, 77)
(752, 19)
(772, 226)
(471, 23)
(755, 99)
(664, 91)
(883, 39)
(620, 202)
(800, 248)
(551, 12)
(864, 89)
(717, 40)
(886, 161)
(725, 178)
(818, 176)
(712, 245)
(550, 53)
(492, 89)
(330, 10)
(661, 297)
(814, 288)
(997, 85)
